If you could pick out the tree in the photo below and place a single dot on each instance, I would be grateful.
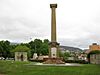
(1, 50)
(44, 49)
(36, 46)
(11, 50)
(46, 41)
(65, 55)
(39, 47)
(5, 49)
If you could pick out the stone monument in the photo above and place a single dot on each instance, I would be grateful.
(21, 56)
(21, 53)
(53, 45)
(35, 56)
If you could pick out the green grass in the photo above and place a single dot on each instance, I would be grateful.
(20, 68)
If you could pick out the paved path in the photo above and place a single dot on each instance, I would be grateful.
(66, 64)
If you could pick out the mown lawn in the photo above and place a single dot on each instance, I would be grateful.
(20, 68)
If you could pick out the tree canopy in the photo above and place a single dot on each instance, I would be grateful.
(5, 48)
(38, 46)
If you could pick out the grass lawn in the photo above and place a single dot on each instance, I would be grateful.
(19, 68)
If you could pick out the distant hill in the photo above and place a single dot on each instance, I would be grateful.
(62, 47)
(14, 43)
(70, 48)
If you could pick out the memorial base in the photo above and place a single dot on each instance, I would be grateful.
(53, 61)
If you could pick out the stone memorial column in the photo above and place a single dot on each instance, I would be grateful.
(53, 50)
(53, 22)
(53, 45)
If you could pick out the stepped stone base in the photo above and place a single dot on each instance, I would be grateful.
(53, 61)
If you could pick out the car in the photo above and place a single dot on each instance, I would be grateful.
(2, 58)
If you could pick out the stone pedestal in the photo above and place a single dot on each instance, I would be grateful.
(53, 61)
(53, 50)
(53, 54)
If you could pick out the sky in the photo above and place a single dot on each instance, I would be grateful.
(78, 21)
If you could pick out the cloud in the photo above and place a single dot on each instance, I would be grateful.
(20, 29)
(78, 22)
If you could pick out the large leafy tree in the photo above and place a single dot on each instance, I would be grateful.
(5, 48)
(36, 46)
(44, 47)
(11, 50)
(39, 47)
(1, 48)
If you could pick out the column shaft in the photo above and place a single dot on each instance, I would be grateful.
(53, 25)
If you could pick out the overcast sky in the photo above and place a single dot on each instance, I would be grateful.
(78, 21)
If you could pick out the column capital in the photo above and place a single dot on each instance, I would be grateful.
(53, 5)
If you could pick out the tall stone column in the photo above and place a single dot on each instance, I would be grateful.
(53, 50)
(53, 22)
(53, 45)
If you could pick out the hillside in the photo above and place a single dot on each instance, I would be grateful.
(70, 48)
